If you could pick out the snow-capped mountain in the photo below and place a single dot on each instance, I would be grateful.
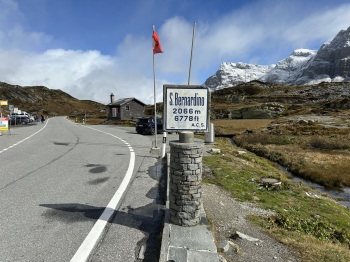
(287, 70)
(330, 63)
(231, 74)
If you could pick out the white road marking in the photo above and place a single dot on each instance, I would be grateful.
(16, 144)
(86, 248)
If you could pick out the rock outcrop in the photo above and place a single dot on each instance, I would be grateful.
(331, 63)
(257, 100)
(264, 111)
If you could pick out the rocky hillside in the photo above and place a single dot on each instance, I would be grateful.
(42, 100)
(252, 100)
(331, 63)
(259, 100)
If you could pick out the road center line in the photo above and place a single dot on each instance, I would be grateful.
(86, 248)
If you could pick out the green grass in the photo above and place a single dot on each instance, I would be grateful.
(313, 220)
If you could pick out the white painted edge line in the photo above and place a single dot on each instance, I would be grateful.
(84, 251)
(16, 144)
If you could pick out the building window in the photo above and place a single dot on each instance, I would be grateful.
(127, 108)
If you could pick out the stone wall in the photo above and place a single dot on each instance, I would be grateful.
(185, 194)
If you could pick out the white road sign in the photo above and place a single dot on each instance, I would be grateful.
(186, 108)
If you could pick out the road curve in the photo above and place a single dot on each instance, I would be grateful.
(56, 181)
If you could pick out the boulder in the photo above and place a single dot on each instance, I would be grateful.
(265, 111)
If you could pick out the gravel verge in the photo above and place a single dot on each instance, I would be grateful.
(236, 237)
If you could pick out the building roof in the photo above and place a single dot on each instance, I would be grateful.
(123, 101)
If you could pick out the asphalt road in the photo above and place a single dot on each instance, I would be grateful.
(56, 180)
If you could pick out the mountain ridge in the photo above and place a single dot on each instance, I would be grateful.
(50, 102)
(331, 63)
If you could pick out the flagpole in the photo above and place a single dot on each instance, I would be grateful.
(154, 99)
(189, 71)
(155, 102)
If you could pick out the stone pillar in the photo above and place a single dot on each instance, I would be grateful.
(185, 192)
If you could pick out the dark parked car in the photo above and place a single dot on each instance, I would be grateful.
(19, 119)
(145, 125)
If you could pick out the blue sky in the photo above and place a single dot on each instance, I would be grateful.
(91, 48)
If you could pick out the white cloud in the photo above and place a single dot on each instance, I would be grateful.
(321, 26)
(85, 75)
(12, 33)
(261, 31)
(176, 37)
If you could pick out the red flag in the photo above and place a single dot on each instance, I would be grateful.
(157, 48)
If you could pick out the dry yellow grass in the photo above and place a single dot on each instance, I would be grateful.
(312, 249)
(237, 126)
(313, 151)
(324, 167)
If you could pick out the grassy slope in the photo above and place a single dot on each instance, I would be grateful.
(317, 227)
(309, 222)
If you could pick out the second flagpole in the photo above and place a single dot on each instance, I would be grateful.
(189, 71)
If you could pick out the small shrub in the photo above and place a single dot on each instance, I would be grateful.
(329, 143)
(261, 138)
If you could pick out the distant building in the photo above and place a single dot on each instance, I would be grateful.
(125, 108)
